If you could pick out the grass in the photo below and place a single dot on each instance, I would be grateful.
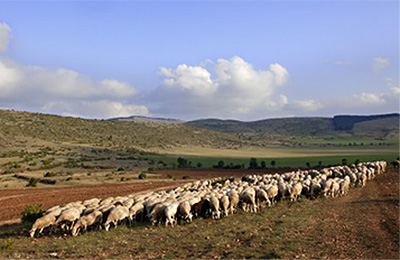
(242, 235)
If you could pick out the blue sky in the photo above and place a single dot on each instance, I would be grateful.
(329, 53)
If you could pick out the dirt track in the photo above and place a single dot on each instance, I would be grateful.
(13, 201)
(362, 225)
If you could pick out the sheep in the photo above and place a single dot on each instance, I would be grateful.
(363, 179)
(272, 192)
(224, 203)
(42, 223)
(214, 205)
(261, 197)
(295, 191)
(345, 185)
(157, 213)
(68, 216)
(335, 188)
(248, 199)
(184, 211)
(116, 215)
(170, 212)
(233, 200)
(135, 211)
(208, 198)
(326, 187)
(94, 218)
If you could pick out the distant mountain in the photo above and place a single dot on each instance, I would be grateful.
(159, 120)
(378, 126)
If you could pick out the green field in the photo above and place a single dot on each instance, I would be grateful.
(288, 162)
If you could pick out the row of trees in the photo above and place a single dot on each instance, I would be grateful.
(253, 164)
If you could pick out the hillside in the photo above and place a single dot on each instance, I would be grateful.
(158, 120)
(377, 127)
(140, 135)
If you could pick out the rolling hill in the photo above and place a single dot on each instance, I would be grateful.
(141, 135)
(281, 130)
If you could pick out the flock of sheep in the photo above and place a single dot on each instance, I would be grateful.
(214, 198)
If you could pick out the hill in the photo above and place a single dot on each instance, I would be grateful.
(343, 126)
(133, 134)
(158, 120)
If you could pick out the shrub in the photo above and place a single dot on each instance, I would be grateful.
(142, 176)
(169, 176)
(31, 213)
(32, 182)
(120, 169)
(186, 177)
(50, 174)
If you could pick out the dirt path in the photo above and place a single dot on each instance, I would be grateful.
(364, 224)
(13, 201)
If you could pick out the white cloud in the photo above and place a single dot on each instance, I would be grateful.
(395, 90)
(379, 64)
(307, 105)
(196, 80)
(99, 108)
(370, 98)
(229, 88)
(65, 91)
(5, 36)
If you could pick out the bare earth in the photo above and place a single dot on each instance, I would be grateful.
(13, 201)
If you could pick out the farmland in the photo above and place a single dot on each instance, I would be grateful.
(362, 225)
(53, 160)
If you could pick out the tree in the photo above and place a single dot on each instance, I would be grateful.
(263, 165)
(308, 165)
(319, 163)
(357, 161)
(273, 163)
(344, 161)
(253, 163)
(199, 165)
(182, 163)
(220, 164)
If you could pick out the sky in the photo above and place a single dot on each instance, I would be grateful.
(243, 60)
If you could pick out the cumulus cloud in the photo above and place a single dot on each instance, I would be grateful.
(379, 64)
(370, 98)
(230, 88)
(65, 90)
(5, 36)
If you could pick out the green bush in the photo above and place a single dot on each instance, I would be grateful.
(186, 177)
(31, 213)
(32, 182)
(169, 176)
(142, 176)
(50, 174)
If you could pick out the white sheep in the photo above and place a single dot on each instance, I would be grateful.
(42, 223)
(184, 211)
(92, 219)
(214, 205)
(295, 191)
(116, 215)
(170, 213)
(68, 216)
